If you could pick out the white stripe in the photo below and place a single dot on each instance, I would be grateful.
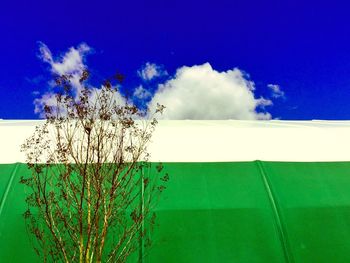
(231, 140)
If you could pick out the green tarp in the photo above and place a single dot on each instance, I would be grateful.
(225, 212)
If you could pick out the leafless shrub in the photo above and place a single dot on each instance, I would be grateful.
(90, 196)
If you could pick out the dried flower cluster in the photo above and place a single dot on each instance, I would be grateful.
(91, 190)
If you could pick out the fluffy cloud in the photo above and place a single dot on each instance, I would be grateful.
(70, 63)
(197, 92)
(200, 92)
(276, 91)
(141, 93)
(150, 71)
(48, 99)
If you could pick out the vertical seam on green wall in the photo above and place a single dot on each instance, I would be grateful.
(142, 211)
(7, 190)
(280, 228)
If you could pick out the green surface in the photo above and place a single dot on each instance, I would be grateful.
(225, 212)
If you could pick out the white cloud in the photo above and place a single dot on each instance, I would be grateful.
(262, 102)
(151, 71)
(49, 99)
(197, 92)
(70, 63)
(142, 93)
(276, 91)
(200, 92)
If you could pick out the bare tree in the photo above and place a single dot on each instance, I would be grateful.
(91, 191)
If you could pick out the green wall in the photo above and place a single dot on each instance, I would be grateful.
(225, 212)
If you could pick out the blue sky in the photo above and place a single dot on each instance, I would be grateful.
(299, 47)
